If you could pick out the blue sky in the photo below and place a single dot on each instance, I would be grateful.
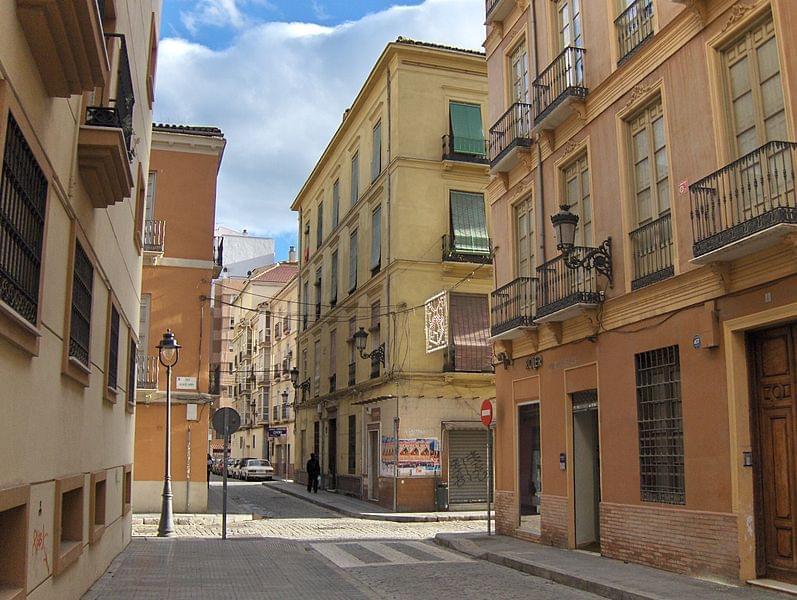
(276, 76)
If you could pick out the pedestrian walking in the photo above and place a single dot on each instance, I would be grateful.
(210, 465)
(313, 469)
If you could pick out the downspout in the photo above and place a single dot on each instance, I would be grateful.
(539, 186)
(389, 363)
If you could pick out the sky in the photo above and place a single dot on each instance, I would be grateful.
(276, 76)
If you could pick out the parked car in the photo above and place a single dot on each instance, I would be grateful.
(232, 468)
(256, 468)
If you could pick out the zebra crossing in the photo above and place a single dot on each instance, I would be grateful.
(351, 555)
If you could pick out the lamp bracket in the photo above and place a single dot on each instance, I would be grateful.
(599, 258)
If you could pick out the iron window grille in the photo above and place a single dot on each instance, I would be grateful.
(80, 325)
(352, 458)
(23, 200)
(661, 444)
(113, 350)
(131, 374)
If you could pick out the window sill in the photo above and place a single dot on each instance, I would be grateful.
(77, 371)
(18, 331)
(68, 552)
(111, 395)
(95, 533)
(130, 408)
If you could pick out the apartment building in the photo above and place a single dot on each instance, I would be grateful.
(644, 407)
(179, 266)
(76, 94)
(253, 356)
(393, 215)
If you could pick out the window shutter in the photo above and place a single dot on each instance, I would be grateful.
(469, 223)
(466, 127)
(376, 239)
(353, 262)
(470, 332)
(355, 179)
(333, 292)
(376, 158)
(335, 203)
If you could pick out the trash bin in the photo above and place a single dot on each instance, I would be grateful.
(441, 497)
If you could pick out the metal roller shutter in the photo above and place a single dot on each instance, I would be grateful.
(467, 466)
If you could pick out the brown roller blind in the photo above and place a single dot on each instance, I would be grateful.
(470, 330)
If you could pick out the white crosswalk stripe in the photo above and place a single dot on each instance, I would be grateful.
(355, 554)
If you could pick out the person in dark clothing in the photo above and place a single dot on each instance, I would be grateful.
(313, 469)
(210, 465)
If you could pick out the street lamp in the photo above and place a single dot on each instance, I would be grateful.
(304, 385)
(360, 339)
(600, 258)
(168, 354)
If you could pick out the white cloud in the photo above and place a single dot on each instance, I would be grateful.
(279, 92)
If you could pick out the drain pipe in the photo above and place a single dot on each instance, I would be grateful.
(539, 186)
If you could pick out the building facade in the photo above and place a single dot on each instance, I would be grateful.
(76, 94)
(393, 215)
(179, 266)
(645, 408)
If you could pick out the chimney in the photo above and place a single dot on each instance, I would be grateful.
(292, 254)
(245, 232)
(346, 113)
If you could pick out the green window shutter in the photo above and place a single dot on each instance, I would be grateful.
(466, 128)
(376, 239)
(469, 223)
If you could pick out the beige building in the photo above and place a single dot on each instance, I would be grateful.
(251, 365)
(645, 410)
(392, 215)
(76, 94)
(179, 266)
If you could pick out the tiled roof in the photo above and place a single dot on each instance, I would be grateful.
(188, 129)
(277, 273)
(411, 42)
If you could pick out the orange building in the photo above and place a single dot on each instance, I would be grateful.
(646, 406)
(179, 265)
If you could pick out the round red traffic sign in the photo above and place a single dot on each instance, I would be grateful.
(487, 413)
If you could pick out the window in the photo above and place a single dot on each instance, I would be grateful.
(469, 224)
(113, 350)
(651, 169)
(306, 241)
(80, 323)
(470, 331)
(149, 204)
(577, 197)
(376, 157)
(355, 178)
(376, 241)
(68, 530)
(316, 368)
(320, 226)
(754, 88)
(316, 438)
(305, 302)
(466, 128)
(352, 443)
(97, 506)
(131, 374)
(318, 278)
(661, 445)
(333, 283)
(143, 323)
(23, 202)
(333, 355)
(352, 352)
(14, 539)
(335, 203)
(519, 66)
(524, 237)
(153, 60)
(568, 17)
(376, 338)
(353, 262)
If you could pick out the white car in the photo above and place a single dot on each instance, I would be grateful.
(255, 468)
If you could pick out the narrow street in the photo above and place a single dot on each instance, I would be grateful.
(299, 550)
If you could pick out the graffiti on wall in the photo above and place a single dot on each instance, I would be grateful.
(468, 469)
(40, 547)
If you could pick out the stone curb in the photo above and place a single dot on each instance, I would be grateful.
(193, 519)
(394, 517)
(615, 592)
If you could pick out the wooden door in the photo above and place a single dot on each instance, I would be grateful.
(773, 387)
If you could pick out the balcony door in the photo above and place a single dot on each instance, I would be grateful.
(579, 198)
(519, 67)
(143, 324)
(570, 34)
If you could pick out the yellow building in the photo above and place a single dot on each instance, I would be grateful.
(76, 93)
(392, 215)
(645, 409)
(179, 265)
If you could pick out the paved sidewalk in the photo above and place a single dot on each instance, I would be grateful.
(359, 509)
(593, 573)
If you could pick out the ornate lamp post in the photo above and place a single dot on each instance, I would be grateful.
(360, 340)
(600, 258)
(168, 354)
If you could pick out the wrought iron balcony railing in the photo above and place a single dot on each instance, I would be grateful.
(560, 286)
(147, 372)
(352, 373)
(154, 235)
(651, 247)
(468, 358)
(634, 25)
(375, 364)
(453, 253)
(746, 197)
(512, 130)
(512, 306)
(332, 383)
(119, 109)
(464, 149)
(562, 79)
(214, 381)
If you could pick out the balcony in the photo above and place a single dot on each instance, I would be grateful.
(452, 253)
(651, 249)
(147, 372)
(459, 149)
(498, 10)
(509, 136)
(512, 309)
(564, 292)
(352, 373)
(154, 236)
(634, 26)
(66, 41)
(104, 142)
(558, 87)
(471, 358)
(746, 206)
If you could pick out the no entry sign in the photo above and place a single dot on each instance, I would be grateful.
(487, 413)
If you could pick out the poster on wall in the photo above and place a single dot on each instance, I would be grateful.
(388, 456)
(416, 457)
